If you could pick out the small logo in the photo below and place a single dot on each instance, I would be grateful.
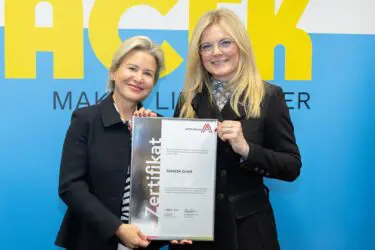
(206, 127)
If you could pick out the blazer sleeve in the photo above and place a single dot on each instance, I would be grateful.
(280, 158)
(177, 109)
(73, 186)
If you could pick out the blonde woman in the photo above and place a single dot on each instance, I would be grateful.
(94, 179)
(256, 137)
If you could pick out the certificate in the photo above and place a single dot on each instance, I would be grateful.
(173, 172)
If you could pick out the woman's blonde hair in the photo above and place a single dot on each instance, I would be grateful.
(141, 43)
(246, 86)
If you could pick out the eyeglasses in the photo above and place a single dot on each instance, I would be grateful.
(207, 48)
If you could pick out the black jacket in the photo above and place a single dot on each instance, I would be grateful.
(95, 160)
(240, 191)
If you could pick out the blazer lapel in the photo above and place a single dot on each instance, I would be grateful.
(203, 107)
(206, 109)
(229, 114)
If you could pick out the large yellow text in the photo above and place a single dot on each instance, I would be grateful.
(64, 39)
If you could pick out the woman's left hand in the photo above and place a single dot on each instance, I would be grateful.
(181, 242)
(231, 131)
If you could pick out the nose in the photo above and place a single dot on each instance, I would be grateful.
(216, 50)
(138, 76)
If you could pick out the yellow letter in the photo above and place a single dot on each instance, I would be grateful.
(268, 30)
(103, 29)
(23, 39)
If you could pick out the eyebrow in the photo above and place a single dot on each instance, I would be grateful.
(130, 64)
(217, 41)
(149, 70)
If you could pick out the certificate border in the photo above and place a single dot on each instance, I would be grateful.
(203, 238)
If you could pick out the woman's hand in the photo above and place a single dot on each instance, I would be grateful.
(181, 242)
(231, 131)
(142, 112)
(131, 236)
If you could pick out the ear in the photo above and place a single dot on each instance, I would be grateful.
(112, 75)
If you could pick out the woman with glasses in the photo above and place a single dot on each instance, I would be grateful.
(256, 137)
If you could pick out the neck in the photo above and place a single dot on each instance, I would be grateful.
(125, 108)
(219, 80)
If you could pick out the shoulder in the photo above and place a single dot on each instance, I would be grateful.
(273, 102)
(272, 90)
(272, 94)
(86, 114)
(82, 122)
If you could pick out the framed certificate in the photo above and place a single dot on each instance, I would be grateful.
(173, 172)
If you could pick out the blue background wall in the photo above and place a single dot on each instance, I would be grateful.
(329, 207)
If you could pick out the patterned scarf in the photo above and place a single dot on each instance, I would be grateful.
(221, 96)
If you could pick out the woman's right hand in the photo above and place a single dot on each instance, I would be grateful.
(131, 236)
(142, 113)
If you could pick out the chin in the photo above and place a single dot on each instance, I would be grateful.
(221, 73)
(221, 76)
(135, 98)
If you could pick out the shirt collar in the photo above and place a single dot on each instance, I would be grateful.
(110, 116)
(216, 84)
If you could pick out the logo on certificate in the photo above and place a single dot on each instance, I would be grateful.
(206, 127)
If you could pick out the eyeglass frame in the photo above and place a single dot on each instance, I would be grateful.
(218, 44)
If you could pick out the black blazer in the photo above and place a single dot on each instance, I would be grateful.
(240, 191)
(95, 160)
